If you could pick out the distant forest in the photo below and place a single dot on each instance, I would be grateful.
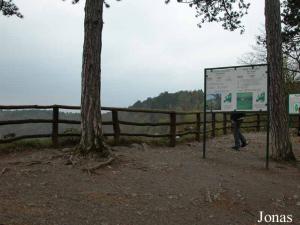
(181, 101)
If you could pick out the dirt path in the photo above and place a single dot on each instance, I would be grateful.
(149, 186)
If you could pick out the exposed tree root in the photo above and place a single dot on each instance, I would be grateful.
(4, 170)
(91, 159)
(99, 165)
(35, 162)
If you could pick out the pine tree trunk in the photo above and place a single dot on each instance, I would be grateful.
(280, 139)
(91, 124)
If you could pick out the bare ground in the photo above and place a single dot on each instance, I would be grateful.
(150, 185)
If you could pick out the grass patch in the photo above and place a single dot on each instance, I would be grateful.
(20, 145)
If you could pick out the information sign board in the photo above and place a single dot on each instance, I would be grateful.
(242, 88)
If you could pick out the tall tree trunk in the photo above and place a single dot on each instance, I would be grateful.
(91, 125)
(280, 139)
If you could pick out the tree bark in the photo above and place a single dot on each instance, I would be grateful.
(280, 140)
(91, 124)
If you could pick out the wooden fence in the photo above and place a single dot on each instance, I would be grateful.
(219, 122)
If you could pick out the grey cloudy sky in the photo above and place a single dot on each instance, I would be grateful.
(148, 48)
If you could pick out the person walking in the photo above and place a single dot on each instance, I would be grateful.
(239, 139)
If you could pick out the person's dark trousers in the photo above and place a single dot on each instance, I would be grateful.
(238, 137)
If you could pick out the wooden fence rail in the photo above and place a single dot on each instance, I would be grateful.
(219, 121)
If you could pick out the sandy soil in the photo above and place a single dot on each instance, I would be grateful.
(149, 186)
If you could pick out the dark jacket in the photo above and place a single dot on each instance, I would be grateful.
(235, 116)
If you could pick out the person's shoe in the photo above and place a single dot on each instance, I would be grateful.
(244, 144)
(236, 148)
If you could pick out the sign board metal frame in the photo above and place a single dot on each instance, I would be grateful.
(268, 107)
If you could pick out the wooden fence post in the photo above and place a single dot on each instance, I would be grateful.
(213, 124)
(299, 123)
(55, 115)
(257, 122)
(116, 126)
(172, 129)
(224, 123)
(198, 126)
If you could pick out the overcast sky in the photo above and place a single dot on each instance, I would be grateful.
(148, 48)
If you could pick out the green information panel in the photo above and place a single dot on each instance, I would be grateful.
(245, 101)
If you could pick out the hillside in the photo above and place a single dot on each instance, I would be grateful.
(182, 100)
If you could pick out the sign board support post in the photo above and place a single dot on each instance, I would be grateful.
(268, 118)
(204, 117)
